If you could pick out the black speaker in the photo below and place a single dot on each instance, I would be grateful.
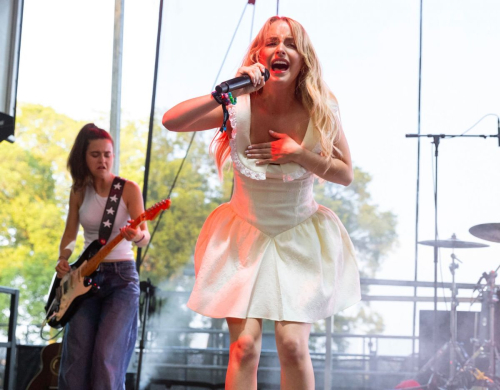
(11, 19)
(6, 127)
(466, 322)
(27, 365)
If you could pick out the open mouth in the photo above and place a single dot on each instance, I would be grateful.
(280, 66)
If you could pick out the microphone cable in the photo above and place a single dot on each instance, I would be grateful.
(140, 257)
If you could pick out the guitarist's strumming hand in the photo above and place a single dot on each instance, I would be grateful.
(128, 232)
(62, 267)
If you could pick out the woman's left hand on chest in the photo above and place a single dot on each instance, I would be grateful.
(281, 151)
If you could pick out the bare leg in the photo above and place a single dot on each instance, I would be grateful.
(244, 353)
(293, 350)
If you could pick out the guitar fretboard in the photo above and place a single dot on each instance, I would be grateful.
(94, 262)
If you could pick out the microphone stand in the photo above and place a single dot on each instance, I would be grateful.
(149, 289)
(436, 140)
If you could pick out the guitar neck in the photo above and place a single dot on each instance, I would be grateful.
(147, 215)
(99, 257)
(93, 263)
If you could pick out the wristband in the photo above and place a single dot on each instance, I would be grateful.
(142, 238)
(224, 99)
(217, 97)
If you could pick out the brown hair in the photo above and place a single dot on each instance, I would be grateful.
(77, 163)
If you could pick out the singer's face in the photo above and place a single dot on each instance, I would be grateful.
(279, 53)
(99, 157)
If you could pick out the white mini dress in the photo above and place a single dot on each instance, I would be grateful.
(272, 252)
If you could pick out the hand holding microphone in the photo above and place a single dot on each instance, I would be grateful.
(253, 77)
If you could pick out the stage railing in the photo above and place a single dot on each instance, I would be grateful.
(370, 366)
(10, 345)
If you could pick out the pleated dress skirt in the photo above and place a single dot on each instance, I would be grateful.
(272, 252)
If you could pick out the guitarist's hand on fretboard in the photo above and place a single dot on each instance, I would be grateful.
(129, 233)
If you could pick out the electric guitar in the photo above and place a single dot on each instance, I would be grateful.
(67, 292)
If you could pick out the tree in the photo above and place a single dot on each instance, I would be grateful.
(32, 212)
(373, 233)
(194, 195)
(34, 189)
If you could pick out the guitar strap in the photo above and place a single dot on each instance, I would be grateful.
(111, 209)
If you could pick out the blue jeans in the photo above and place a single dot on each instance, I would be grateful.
(100, 338)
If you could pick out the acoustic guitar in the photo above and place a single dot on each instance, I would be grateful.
(47, 377)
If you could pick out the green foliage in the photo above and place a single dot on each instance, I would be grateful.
(373, 232)
(133, 142)
(32, 212)
(196, 193)
(34, 190)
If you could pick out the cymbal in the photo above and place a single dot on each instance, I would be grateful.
(453, 242)
(486, 231)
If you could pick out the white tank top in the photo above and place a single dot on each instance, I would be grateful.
(90, 214)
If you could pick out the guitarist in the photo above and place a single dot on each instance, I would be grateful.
(99, 339)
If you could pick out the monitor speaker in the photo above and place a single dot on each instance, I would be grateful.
(11, 16)
(466, 324)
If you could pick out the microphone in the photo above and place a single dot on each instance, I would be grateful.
(478, 284)
(237, 83)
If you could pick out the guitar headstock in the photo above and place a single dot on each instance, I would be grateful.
(154, 210)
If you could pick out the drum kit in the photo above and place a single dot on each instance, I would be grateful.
(477, 372)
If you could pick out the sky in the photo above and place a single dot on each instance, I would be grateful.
(369, 50)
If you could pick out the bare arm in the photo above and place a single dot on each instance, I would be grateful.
(68, 238)
(337, 169)
(133, 199)
(203, 112)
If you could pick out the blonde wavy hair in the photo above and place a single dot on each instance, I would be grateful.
(312, 90)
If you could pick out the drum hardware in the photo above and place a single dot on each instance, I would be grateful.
(470, 377)
(478, 371)
(486, 231)
(486, 334)
(489, 232)
(457, 354)
(453, 243)
(436, 141)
